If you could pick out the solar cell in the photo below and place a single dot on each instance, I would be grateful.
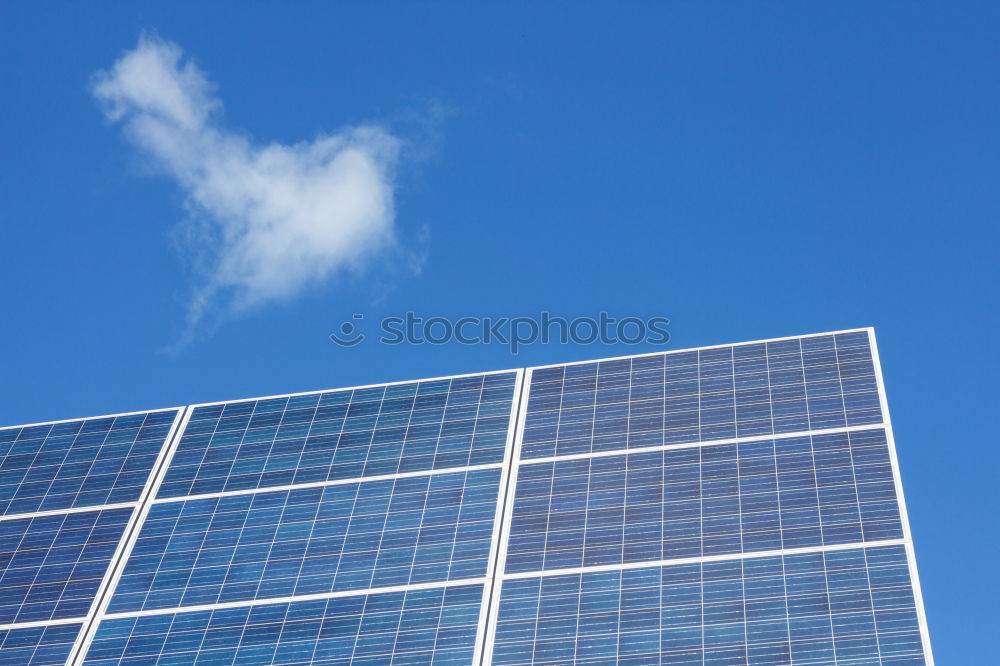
(853, 606)
(317, 437)
(89, 462)
(51, 566)
(704, 500)
(423, 626)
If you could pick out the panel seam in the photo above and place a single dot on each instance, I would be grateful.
(333, 482)
(117, 564)
(714, 442)
(706, 558)
(495, 577)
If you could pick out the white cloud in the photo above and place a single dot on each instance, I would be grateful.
(268, 220)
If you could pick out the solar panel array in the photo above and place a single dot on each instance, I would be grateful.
(728, 505)
(69, 492)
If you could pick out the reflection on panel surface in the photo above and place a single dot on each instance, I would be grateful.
(714, 499)
(851, 606)
(430, 626)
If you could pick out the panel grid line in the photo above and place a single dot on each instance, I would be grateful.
(296, 598)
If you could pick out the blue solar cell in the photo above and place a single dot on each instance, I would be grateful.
(704, 500)
(52, 566)
(311, 540)
(847, 607)
(81, 463)
(682, 397)
(37, 646)
(336, 435)
(429, 626)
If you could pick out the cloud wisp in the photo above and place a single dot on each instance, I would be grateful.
(265, 220)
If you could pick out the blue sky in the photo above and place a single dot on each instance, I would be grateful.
(747, 170)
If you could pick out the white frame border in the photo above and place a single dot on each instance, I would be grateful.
(507, 507)
(691, 349)
(356, 388)
(94, 418)
(918, 598)
(129, 538)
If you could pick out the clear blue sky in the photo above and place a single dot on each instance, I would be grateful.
(749, 170)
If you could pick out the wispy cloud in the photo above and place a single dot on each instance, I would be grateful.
(266, 220)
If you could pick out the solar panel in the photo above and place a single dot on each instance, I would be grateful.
(767, 494)
(796, 385)
(425, 626)
(317, 437)
(852, 606)
(52, 565)
(312, 540)
(73, 464)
